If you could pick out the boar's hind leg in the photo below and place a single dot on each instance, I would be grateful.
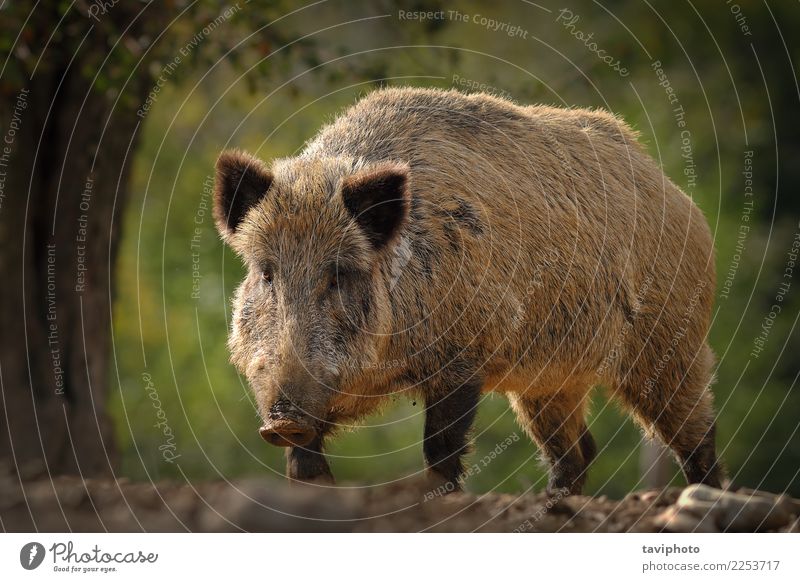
(308, 463)
(557, 425)
(681, 413)
(686, 425)
(448, 420)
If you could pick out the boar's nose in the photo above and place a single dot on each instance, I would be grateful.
(287, 425)
(287, 433)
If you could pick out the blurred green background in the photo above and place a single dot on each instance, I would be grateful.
(738, 91)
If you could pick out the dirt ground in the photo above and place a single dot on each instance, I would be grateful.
(73, 504)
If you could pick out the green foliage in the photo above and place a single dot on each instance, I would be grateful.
(208, 407)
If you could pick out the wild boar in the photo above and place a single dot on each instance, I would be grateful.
(476, 245)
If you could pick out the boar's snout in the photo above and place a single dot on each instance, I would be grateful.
(287, 426)
(287, 433)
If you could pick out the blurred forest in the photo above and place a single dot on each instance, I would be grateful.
(732, 70)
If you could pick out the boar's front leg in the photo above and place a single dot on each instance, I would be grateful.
(448, 420)
(308, 463)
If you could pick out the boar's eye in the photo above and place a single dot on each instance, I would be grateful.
(266, 276)
(337, 278)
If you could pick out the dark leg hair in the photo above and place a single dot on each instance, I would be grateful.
(308, 463)
(588, 446)
(700, 465)
(448, 420)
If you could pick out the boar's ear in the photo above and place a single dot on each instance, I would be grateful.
(242, 181)
(379, 200)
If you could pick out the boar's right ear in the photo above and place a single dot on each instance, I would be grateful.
(379, 200)
(242, 181)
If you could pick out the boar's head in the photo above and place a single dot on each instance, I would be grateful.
(313, 309)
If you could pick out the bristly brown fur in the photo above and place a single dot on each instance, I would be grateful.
(535, 251)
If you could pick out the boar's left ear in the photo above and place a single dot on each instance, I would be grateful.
(242, 181)
(379, 199)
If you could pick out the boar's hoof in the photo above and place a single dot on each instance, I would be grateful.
(287, 433)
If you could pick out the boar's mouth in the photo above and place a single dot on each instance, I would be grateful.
(286, 432)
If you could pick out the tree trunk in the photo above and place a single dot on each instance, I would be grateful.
(66, 145)
(655, 464)
(66, 151)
